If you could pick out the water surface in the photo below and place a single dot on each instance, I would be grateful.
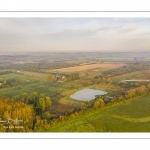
(87, 94)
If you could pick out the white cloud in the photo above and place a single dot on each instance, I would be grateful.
(74, 34)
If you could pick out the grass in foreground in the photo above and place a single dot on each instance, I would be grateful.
(132, 116)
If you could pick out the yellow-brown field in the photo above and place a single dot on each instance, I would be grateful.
(88, 67)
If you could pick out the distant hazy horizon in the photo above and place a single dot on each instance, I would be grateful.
(74, 35)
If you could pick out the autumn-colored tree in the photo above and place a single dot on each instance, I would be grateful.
(148, 87)
(109, 80)
(47, 115)
(42, 103)
(113, 100)
(120, 98)
(14, 111)
(82, 105)
(131, 93)
(6, 115)
(87, 101)
(48, 102)
(99, 103)
(142, 90)
(4, 82)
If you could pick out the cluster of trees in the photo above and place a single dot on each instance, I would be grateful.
(15, 116)
(29, 108)
(103, 80)
(60, 77)
(5, 72)
(125, 69)
(99, 103)
(39, 102)
(129, 84)
(139, 91)
(73, 76)
(132, 93)
(44, 125)
(64, 77)
(3, 83)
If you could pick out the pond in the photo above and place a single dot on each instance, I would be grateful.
(87, 94)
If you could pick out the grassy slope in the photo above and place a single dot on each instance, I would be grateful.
(132, 116)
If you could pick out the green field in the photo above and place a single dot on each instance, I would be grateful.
(131, 116)
(18, 83)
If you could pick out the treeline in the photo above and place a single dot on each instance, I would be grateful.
(28, 108)
(44, 125)
(64, 77)
(125, 69)
(5, 72)
(139, 91)
(132, 93)
(39, 102)
(39, 66)
(73, 76)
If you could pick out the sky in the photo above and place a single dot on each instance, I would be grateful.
(74, 34)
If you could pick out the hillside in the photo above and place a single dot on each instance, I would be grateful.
(131, 116)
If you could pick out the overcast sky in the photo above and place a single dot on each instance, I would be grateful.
(74, 34)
